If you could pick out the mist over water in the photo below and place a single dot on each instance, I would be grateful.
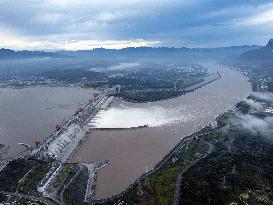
(123, 66)
(126, 117)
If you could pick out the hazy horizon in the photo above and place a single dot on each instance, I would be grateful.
(155, 47)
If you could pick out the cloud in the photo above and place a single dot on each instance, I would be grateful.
(265, 17)
(108, 17)
(254, 105)
(21, 44)
(255, 125)
(263, 96)
(170, 22)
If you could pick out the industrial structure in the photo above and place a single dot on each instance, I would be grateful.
(62, 143)
(67, 138)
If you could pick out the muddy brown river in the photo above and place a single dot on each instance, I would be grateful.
(30, 114)
(131, 151)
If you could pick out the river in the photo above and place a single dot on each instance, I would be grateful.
(131, 151)
(30, 114)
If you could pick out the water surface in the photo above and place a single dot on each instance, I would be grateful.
(31, 114)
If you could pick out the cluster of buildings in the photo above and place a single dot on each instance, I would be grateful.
(27, 82)
(60, 141)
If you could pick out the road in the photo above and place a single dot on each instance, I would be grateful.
(71, 180)
(177, 194)
(32, 198)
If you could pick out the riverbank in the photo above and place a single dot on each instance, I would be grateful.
(145, 96)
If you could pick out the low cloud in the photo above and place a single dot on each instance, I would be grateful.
(251, 122)
(254, 124)
(264, 17)
(253, 104)
(263, 96)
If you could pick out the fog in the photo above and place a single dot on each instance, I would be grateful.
(123, 66)
(253, 123)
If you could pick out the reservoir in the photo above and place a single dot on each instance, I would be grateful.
(30, 114)
(131, 151)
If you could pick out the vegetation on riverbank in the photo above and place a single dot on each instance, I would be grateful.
(75, 192)
(230, 172)
(30, 182)
(14, 171)
(150, 96)
(63, 175)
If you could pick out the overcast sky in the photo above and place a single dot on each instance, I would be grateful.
(86, 24)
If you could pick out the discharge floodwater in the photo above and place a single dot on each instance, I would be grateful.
(131, 151)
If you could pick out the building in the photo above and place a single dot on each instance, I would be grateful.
(114, 90)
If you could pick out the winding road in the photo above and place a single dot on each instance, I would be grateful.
(177, 194)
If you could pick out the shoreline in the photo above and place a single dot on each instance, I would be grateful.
(183, 91)
(48, 86)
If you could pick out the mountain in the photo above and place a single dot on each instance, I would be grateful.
(163, 52)
(261, 56)
(14, 62)
(134, 52)
(11, 54)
